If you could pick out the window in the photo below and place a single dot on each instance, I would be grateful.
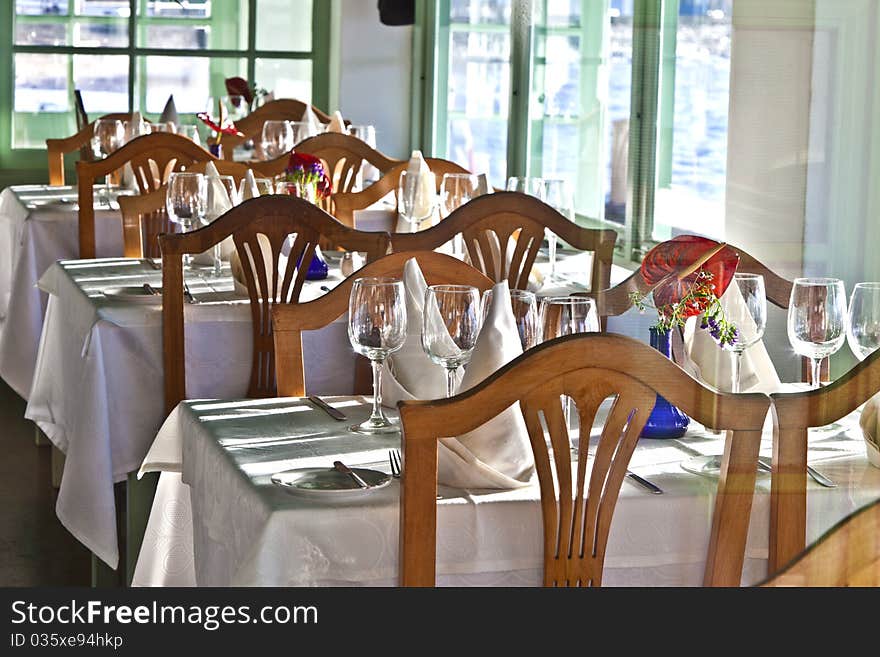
(626, 99)
(133, 54)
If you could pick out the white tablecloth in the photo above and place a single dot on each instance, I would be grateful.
(38, 225)
(98, 384)
(250, 532)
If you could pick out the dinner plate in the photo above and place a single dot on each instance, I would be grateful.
(710, 466)
(134, 294)
(329, 482)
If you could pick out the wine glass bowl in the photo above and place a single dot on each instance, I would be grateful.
(277, 139)
(746, 308)
(107, 136)
(376, 329)
(558, 195)
(817, 319)
(186, 202)
(525, 314)
(863, 328)
(562, 316)
(416, 197)
(450, 327)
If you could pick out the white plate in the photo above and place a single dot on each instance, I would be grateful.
(133, 294)
(710, 466)
(328, 482)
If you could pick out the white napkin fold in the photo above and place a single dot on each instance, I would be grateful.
(705, 360)
(868, 421)
(337, 123)
(249, 189)
(219, 203)
(495, 455)
(169, 114)
(315, 127)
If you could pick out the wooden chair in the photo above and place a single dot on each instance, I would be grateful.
(238, 170)
(152, 158)
(848, 554)
(343, 156)
(346, 203)
(274, 218)
(143, 219)
(498, 218)
(283, 109)
(793, 415)
(577, 516)
(289, 321)
(56, 149)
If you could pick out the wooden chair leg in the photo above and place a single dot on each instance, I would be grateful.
(138, 503)
(788, 497)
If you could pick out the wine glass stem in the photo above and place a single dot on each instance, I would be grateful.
(377, 414)
(218, 263)
(450, 381)
(735, 371)
(551, 252)
(815, 367)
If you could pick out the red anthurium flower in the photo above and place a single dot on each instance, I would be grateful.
(677, 255)
(239, 87)
(228, 129)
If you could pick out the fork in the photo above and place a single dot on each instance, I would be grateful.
(394, 459)
(189, 295)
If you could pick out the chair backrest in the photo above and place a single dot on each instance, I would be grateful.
(848, 554)
(269, 220)
(793, 414)
(346, 203)
(577, 509)
(343, 155)
(493, 224)
(238, 170)
(56, 149)
(152, 158)
(251, 126)
(291, 320)
(144, 218)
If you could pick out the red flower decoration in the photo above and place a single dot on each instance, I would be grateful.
(676, 255)
(302, 167)
(239, 87)
(228, 129)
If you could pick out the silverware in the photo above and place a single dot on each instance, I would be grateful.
(327, 408)
(149, 289)
(394, 459)
(641, 481)
(152, 264)
(341, 467)
(815, 475)
(189, 295)
(325, 288)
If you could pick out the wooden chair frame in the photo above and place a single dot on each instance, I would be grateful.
(588, 368)
(343, 156)
(511, 214)
(56, 149)
(152, 158)
(238, 170)
(346, 203)
(273, 217)
(290, 320)
(793, 414)
(283, 109)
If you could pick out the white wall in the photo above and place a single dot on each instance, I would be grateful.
(375, 74)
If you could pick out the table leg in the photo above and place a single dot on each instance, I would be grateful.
(138, 503)
(40, 439)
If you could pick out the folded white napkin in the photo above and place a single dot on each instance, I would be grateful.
(219, 203)
(869, 424)
(169, 114)
(249, 189)
(315, 127)
(337, 123)
(705, 360)
(425, 193)
(495, 455)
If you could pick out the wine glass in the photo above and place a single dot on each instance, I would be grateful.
(863, 330)
(557, 194)
(416, 197)
(817, 320)
(377, 328)
(527, 185)
(186, 202)
(302, 130)
(191, 132)
(525, 313)
(747, 311)
(566, 316)
(367, 134)
(133, 129)
(450, 327)
(264, 186)
(277, 139)
(107, 136)
(457, 189)
(223, 185)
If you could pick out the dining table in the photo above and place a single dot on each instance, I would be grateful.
(220, 519)
(39, 225)
(97, 389)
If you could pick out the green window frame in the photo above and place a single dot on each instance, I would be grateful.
(30, 163)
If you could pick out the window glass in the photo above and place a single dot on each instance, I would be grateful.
(284, 25)
(192, 80)
(174, 9)
(117, 8)
(286, 78)
(199, 27)
(41, 7)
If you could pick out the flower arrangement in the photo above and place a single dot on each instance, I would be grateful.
(690, 273)
(220, 126)
(304, 169)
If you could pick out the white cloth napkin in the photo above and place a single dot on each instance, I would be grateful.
(425, 193)
(337, 123)
(868, 421)
(315, 127)
(249, 189)
(497, 454)
(705, 360)
(169, 114)
(219, 203)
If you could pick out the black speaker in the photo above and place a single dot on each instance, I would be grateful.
(397, 12)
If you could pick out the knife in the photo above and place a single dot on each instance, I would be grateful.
(189, 296)
(327, 408)
(341, 467)
(644, 483)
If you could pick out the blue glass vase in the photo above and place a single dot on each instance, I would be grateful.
(666, 421)
(318, 268)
